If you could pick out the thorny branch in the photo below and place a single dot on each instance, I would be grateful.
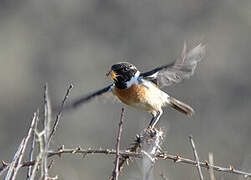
(211, 162)
(146, 135)
(39, 157)
(32, 145)
(47, 129)
(151, 147)
(196, 157)
(17, 160)
(25, 144)
(135, 151)
(12, 165)
(163, 156)
(116, 168)
(43, 137)
(54, 128)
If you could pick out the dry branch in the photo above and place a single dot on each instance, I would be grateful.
(127, 153)
(116, 168)
(148, 136)
(18, 165)
(47, 128)
(163, 156)
(54, 128)
(211, 162)
(145, 136)
(12, 165)
(150, 147)
(32, 146)
(124, 158)
(17, 160)
(43, 137)
(39, 157)
(196, 157)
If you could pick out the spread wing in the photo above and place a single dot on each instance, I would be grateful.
(84, 99)
(180, 69)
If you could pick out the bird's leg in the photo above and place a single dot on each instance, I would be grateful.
(152, 120)
(155, 119)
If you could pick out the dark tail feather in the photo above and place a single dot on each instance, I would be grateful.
(180, 106)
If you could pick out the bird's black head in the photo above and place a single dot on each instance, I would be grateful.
(121, 73)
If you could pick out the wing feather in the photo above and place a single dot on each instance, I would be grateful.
(180, 69)
(82, 100)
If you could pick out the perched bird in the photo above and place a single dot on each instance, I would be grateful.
(142, 90)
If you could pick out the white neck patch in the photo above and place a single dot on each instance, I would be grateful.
(133, 80)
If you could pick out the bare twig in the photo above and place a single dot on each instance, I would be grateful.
(44, 138)
(18, 165)
(15, 165)
(47, 123)
(39, 157)
(151, 147)
(4, 167)
(196, 157)
(51, 164)
(54, 128)
(144, 136)
(14, 161)
(179, 159)
(134, 148)
(163, 155)
(32, 146)
(155, 146)
(211, 162)
(116, 168)
(152, 137)
(127, 153)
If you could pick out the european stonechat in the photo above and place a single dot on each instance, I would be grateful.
(142, 90)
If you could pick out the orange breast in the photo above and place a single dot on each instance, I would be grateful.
(133, 95)
(141, 97)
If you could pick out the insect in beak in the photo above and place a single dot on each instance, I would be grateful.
(112, 74)
(107, 74)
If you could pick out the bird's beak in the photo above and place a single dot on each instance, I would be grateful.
(112, 74)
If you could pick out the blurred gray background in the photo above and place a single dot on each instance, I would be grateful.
(63, 42)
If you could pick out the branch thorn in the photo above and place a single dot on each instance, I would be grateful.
(207, 163)
(177, 158)
(4, 163)
(232, 168)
